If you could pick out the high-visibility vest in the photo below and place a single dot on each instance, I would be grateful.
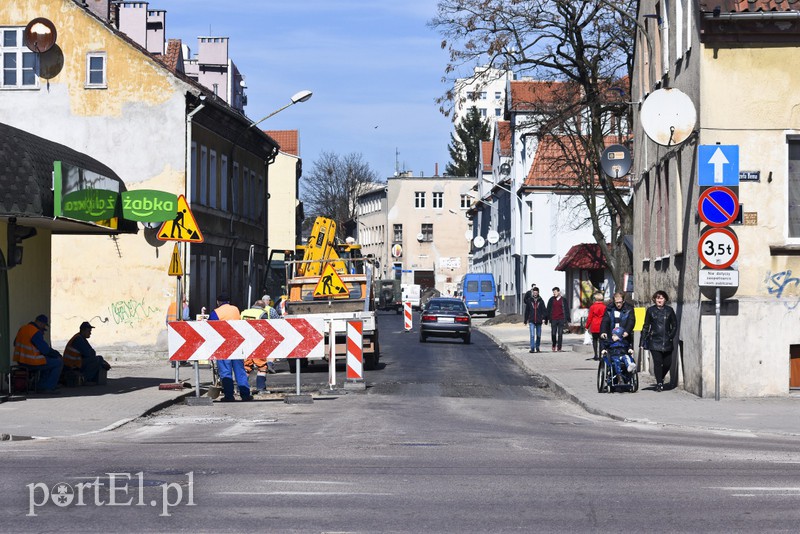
(72, 357)
(228, 312)
(255, 313)
(172, 313)
(24, 349)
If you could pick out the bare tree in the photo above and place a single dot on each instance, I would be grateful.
(333, 184)
(584, 50)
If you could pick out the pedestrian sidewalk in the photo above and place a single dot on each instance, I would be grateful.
(131, 391)
(572, 374)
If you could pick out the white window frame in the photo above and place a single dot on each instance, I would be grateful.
(419, 200)
(437, 200)
(426, 229)
(20, 52)
(96, 85)
(529, 208)
(466, 202)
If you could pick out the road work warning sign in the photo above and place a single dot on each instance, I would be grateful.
(183, 227)
(330, 284)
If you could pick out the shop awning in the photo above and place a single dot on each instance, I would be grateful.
(586, 256)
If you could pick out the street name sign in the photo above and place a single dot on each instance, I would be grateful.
(719, 278)
(718, 165)
(718, 248)
(718, 206)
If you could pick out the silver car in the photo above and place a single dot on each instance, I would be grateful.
(445, 317)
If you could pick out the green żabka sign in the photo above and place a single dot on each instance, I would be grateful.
(90, 204)
(149, 205)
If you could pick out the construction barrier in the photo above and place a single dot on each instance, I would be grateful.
(407, 315)
(355, 357)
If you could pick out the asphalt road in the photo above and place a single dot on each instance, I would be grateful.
(448, 438)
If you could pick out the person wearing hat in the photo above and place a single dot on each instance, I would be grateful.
(32, 352)
(81, 357)
(226, 311)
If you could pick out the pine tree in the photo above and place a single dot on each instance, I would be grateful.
(465, 145)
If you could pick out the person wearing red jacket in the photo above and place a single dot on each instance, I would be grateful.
(594, 320)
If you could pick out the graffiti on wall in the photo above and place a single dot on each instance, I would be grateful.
(784, 287)
(130, 311)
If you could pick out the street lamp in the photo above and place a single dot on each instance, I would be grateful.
(300, 96)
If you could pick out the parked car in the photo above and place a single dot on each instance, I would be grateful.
(479, 293)
(446, 317)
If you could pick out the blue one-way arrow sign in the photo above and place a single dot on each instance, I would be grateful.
(718, 165)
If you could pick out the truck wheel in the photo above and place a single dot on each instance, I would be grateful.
(422, 338)
(370, 362)
(490, 314)
(467, 338)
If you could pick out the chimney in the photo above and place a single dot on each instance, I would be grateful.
(436, 170)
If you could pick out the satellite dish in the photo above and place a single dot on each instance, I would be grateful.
(478, 241)
(420, 237)
(616, 161)
(492, 237)
(668, 116)
(468, 235)
(40, 35)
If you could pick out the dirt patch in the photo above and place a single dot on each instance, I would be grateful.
(511, 318)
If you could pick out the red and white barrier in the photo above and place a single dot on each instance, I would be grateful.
(238, 340)
(407, 315)
(355, 356)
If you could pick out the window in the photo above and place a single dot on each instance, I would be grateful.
(438, 200)
(203, 175)
(498, 95)
(419, 199)
(498, 112)
(483, 112)
(235, 189)
(466, 201)
(398, 233)
(529, 206)
(483, 95)
(19, 63)
(193, 170)
(223, 184)
(793, 215)
(212, 177)
(427, 232)
(96, 70)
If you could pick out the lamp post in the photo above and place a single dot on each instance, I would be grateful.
(300, 96)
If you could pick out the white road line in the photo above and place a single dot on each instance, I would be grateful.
(299, 493)
(757, 488)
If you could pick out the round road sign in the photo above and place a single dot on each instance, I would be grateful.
(718, 248)
(718, 206)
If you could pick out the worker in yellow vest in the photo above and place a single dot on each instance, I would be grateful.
(80, 356)
(226, 311)
(32, 352)
(259, 310)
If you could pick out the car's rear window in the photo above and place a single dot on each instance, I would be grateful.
(447, 306)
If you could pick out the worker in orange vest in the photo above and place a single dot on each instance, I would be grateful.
(226, 311)
(81, 356)
(32, 352)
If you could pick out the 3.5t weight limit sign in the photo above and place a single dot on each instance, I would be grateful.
(718, 248)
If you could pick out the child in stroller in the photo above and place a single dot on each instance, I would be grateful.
(620, 356)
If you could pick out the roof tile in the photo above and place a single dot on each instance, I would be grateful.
(289, 140)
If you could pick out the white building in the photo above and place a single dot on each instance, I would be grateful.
(485, 90)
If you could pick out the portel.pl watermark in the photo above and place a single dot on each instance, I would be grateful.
(115, 489)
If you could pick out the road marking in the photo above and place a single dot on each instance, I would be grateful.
(300, 493)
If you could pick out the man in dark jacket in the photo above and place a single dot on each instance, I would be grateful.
(619, 314)
(535, 315)
(558, 315)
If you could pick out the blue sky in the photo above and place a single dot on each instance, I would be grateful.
(374, 67)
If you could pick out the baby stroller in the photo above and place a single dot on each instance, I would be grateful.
(615, 369)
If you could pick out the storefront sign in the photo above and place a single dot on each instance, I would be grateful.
(149, 205)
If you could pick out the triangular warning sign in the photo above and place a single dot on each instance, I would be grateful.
(175, 266)
(330, 284)
(183, 227)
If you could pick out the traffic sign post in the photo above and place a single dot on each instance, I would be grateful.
(718, 206)
(718, 248)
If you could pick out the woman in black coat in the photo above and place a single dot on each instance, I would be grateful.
(658, 335)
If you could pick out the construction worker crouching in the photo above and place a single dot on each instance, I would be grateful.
(32, 352)
(260, 310)
(80, 356)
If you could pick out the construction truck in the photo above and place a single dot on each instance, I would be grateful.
(332, 280)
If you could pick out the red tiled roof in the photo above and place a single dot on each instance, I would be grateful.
(584, 256)
(553, 161)
(289, 140)
(486, 155)
(504, 136)
(747, 6)
(529, 95)
(173, 54)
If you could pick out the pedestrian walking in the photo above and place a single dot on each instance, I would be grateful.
(558, 315)
(535, 314)
(658, 335)
(595, 320)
